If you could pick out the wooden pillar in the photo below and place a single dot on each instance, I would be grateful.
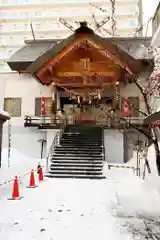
(54, 99)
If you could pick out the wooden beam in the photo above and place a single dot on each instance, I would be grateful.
(106, 53)
(77, 74)
(60, 55)
(83, 86)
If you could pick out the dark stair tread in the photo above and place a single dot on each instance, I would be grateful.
(77, 165)
(76, 161)
(76, 172)
(75, 176)
(77, 157)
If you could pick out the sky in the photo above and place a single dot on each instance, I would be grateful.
(149, 8)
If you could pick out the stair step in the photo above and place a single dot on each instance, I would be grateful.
(83, 141)
(84, 148)
(73, 168)
(75, 176)
(77, 157)
(82, 155)
(74, 172)
(76, 161)
(78, 138)
(78, 149)
(77, 165)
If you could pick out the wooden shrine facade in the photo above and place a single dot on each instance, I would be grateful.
(84, 64)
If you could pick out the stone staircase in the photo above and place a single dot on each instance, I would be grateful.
(79, 154)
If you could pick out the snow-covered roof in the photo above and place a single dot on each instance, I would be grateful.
(4, 115)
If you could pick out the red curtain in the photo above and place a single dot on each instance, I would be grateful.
(42, 106)
(125, 107)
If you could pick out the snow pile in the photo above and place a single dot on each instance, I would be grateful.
(4, 113)
(134, 196)
(20, 165)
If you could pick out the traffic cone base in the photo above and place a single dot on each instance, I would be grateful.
(32, 186)
(17, 198)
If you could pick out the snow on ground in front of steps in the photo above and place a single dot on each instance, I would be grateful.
(81, 209)
(116, 208)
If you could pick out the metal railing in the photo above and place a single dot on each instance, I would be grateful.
(54, 144)
(156, 19)
(103, 146)
(49, 122)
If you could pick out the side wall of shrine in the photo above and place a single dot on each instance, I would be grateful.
(26, 88)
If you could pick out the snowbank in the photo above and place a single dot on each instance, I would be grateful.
(4, 113)
(134, 196)
(20, 165)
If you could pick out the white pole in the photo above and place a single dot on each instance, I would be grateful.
(9, 142)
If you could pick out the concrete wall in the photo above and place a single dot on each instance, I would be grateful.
(25, 140)
(114, 149)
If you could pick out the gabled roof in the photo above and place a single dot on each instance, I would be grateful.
(36, 53)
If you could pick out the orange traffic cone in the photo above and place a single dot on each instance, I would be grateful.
(15, 192)
(40, 174)
(32, 181)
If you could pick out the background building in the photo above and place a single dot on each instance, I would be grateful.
(156, 28)
(44, 14)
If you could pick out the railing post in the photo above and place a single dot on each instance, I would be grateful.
(103, 145)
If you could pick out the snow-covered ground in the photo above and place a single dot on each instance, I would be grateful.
(121, 207)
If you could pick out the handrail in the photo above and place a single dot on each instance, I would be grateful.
(55, 143)
(103, 146)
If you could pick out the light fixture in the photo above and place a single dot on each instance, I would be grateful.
(117, 83)
(78, 99)
(99, 95)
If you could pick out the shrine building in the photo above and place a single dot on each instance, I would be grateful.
(75, 81)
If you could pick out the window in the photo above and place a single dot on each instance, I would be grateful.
(133, 106)
(48, 106)
(13, 106)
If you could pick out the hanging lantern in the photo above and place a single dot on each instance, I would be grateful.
(42, 106)
(99, 95)
(125, 107)
(78, 99)
(90, 100)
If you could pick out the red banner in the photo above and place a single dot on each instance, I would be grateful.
(125, 107)
(42, 106)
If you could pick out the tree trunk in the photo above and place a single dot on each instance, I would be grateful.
(157, 151)
(153, 131)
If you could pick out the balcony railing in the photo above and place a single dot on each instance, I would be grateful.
(56, 121)
(156, 20)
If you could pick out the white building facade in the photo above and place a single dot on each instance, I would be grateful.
(15, 16)
(15, 28)
(156, 28)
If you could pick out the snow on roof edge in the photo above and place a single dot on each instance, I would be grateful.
(4, 113)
